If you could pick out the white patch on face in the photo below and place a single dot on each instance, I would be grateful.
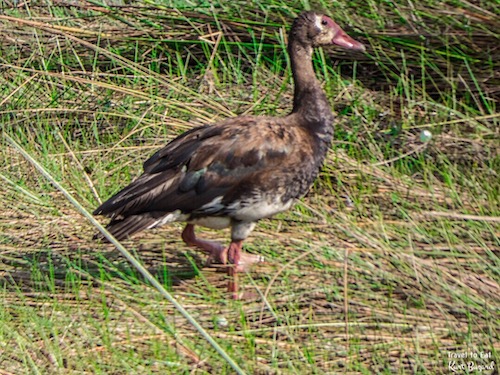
(318, 24)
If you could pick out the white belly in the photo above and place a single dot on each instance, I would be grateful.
(260, 210)
(213, 222)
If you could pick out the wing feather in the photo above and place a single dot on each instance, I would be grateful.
(207, 168)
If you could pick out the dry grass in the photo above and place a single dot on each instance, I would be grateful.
(389, 265)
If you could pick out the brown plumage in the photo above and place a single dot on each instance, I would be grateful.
(236, 172)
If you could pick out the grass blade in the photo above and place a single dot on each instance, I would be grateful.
(147, 275)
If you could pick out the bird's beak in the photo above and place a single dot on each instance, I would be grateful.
(344, 40)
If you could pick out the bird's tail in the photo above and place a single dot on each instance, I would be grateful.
(123, 228)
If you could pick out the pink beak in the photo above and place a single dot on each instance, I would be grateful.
(344, 40)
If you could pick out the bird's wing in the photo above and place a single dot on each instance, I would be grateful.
(206, 168)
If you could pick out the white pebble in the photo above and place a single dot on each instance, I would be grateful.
(221, 321)
(425, 136)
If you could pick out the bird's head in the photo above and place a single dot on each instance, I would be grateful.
(314, 29)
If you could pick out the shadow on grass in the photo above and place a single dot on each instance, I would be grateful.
(49, 266)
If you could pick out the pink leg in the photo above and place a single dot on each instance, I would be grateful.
(234, 257)
(238, 260)
(217, 253)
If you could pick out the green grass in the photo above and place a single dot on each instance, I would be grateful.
(387, 266)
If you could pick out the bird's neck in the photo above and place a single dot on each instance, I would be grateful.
(309, 100)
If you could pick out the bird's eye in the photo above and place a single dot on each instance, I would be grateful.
(324, 22)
